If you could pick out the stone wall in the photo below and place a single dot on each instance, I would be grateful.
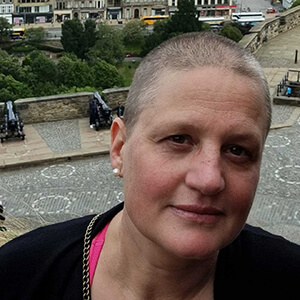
(113, 96)
(64, 107)
(266, 30)
(53, 108)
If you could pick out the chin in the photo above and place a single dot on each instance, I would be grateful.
(197, 249)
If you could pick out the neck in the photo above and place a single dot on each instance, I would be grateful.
(151, 272)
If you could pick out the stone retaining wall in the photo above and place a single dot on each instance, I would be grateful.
(266, 30)
(113, 96)
(64, 107)
(53, 108)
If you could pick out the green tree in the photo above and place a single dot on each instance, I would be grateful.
(108, 47)
(73, 72)
(77, 38)
(184, 20)
(106, 76)
(231, 32)
(43, 68)
(36, 34)
(11, 89)
(10, 65)
(41, 74)
(89, 33)
(72, 38)
(133, 33)
(5, 29)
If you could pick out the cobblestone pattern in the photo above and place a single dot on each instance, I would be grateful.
(281, 113)
(60, 136)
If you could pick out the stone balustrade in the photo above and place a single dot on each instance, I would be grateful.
(262, 32)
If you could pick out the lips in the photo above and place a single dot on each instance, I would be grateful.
(203, 215)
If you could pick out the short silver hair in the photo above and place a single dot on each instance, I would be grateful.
(186, 52)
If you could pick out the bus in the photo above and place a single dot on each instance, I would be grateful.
(215, 23)
(150, 20)
(251, 18)
(18, 33)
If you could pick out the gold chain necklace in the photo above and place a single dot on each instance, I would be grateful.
(85, 260)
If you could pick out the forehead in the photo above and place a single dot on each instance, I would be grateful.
(208, 91)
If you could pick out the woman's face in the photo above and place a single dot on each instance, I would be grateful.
(191, 165)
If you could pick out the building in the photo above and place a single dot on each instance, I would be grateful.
(133, 9)
(81, 9)
(6, 10)
(58, 11)
(215, 8)
(33, 11)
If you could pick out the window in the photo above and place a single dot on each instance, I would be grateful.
(25, 9)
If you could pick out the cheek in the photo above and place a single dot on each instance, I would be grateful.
(153, 178)
(243, 189)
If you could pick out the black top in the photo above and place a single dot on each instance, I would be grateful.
(47, 264)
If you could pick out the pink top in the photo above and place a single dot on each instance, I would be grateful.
(96, 247)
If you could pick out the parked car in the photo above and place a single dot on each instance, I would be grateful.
(271, 10)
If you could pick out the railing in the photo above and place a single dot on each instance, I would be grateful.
(286, 82)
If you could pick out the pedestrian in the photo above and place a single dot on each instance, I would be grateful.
(119, 109)
(188, 151)
(93, 111)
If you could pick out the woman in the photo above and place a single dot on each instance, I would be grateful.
(189, 151)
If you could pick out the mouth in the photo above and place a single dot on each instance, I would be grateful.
(202, 215)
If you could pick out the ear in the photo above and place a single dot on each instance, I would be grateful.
(118, 138)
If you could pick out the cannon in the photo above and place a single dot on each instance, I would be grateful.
(11, 126)
(2, 218)
(104, 116)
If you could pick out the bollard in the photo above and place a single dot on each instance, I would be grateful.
(2, 218)
(296, 56)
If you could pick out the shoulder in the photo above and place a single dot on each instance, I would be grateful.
(47, 261)
(263, 250)
(42, 237)
(259, 262)
(33, 264)
(263, 243)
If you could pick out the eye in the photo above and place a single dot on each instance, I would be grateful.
(180, 139)
(238, 152)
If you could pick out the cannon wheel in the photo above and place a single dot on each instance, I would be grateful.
(97, 125)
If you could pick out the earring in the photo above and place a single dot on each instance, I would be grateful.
(116, 172)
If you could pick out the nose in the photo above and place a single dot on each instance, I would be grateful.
(205, 174)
